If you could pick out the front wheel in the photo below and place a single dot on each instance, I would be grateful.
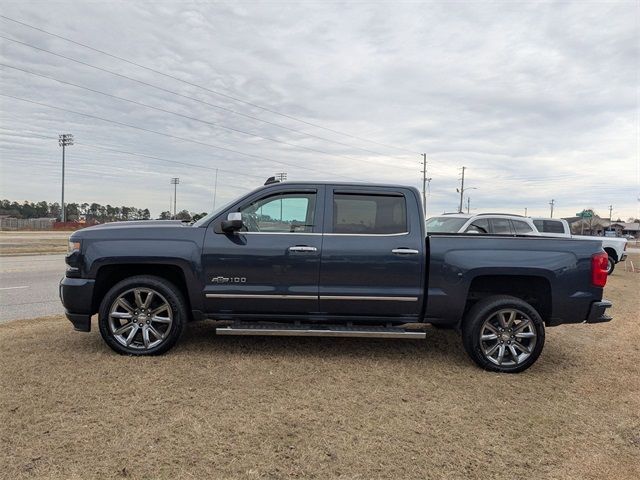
(142, 315)
(503, 334)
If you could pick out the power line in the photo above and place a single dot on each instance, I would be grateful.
(215, 92)
(143, 155)
(213, 124)
(189, 97)
(122, 124)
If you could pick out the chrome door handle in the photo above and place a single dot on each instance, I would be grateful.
(405, 251)
(302, 248)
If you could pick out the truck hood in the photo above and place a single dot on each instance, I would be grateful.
(138, 223)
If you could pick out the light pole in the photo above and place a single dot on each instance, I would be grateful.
(64, 140)
(175, 181)
(461, 191)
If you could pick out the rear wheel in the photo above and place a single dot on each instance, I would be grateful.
(611, 265)
(142, 315)
(503, 334)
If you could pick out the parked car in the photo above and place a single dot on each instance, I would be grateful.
(483, 223)
(328, 259)
(615, 247)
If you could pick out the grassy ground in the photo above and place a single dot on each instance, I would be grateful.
(20, 243)
(225, 407)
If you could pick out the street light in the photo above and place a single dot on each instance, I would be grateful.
(461, 192)
(64, 140)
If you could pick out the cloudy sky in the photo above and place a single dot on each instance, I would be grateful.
(539, 100)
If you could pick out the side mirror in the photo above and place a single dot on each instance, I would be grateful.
(233, 223)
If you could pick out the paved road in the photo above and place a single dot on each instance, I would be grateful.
(29, 286)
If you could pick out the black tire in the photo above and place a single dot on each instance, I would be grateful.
(488, 309)
(611, 265)
(164, 290)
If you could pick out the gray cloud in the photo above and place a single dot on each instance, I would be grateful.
(538, 100)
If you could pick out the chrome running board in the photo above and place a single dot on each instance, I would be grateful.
(293, 330)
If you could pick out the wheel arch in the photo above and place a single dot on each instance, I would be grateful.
(533, 289)
(110, 274)
(612, 253)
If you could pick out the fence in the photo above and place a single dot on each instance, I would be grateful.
(8, 223)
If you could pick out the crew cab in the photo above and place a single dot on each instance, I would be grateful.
(616, 248)
(330, 259)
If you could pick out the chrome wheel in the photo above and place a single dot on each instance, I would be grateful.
(508, 337)
(140, 318)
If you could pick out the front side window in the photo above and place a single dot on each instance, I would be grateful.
(285, 212)
(521, 227)
(369, 214)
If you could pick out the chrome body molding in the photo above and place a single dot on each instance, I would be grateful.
(381, 299)
(269, 296)
(311, 297)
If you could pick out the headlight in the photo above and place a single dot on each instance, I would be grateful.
(74, 246)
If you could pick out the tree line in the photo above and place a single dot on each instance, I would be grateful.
(89, 211)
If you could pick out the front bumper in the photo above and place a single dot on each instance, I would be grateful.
(597, 312)
(76, 295)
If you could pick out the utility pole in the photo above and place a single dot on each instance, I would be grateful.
(64, 140)
(175, 181)
(424, 183)
(468, 204)
(610, 213)
(525, 211)
(461, 189)
(215, 190)
(552, 203)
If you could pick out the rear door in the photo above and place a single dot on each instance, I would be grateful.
(373, 253)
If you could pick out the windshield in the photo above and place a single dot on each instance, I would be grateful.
(445, 224)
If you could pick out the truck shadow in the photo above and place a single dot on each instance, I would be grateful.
(443, 344)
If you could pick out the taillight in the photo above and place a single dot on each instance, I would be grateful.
(599, 267)
(625, 246)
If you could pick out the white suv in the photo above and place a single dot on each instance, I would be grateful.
(483, 223)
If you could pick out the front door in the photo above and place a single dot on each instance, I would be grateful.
(373, 253)
(272, 265)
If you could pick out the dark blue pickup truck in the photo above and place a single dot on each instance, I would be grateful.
(330, 259)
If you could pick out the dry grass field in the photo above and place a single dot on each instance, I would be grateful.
(20, 243)
(225, 407)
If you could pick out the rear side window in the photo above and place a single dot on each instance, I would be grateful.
(501, 226)
(479, 225)
(521, 227)
(549, 226)
(369, 214)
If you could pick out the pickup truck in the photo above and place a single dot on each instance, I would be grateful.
(330, 259)
(616, 248)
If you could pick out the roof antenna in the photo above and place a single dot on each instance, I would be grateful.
(271, 180)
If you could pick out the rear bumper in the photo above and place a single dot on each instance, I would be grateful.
(76, 295)
(597, 312)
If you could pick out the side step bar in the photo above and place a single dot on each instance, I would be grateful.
(286, 330)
